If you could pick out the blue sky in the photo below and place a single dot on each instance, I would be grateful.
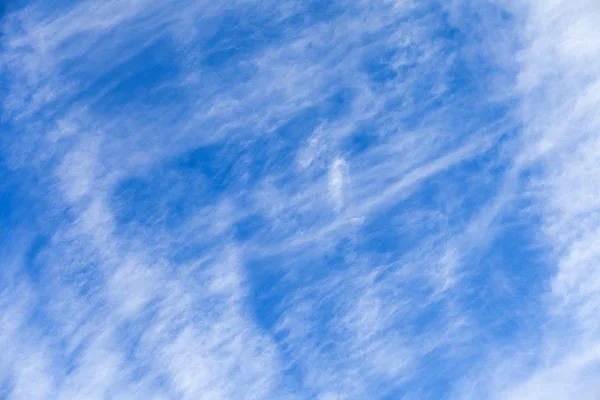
(329, 200)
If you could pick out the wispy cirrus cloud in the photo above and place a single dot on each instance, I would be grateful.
(285, 199)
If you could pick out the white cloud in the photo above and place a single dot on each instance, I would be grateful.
(338, 179)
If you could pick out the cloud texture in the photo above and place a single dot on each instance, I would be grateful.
(300, 199)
